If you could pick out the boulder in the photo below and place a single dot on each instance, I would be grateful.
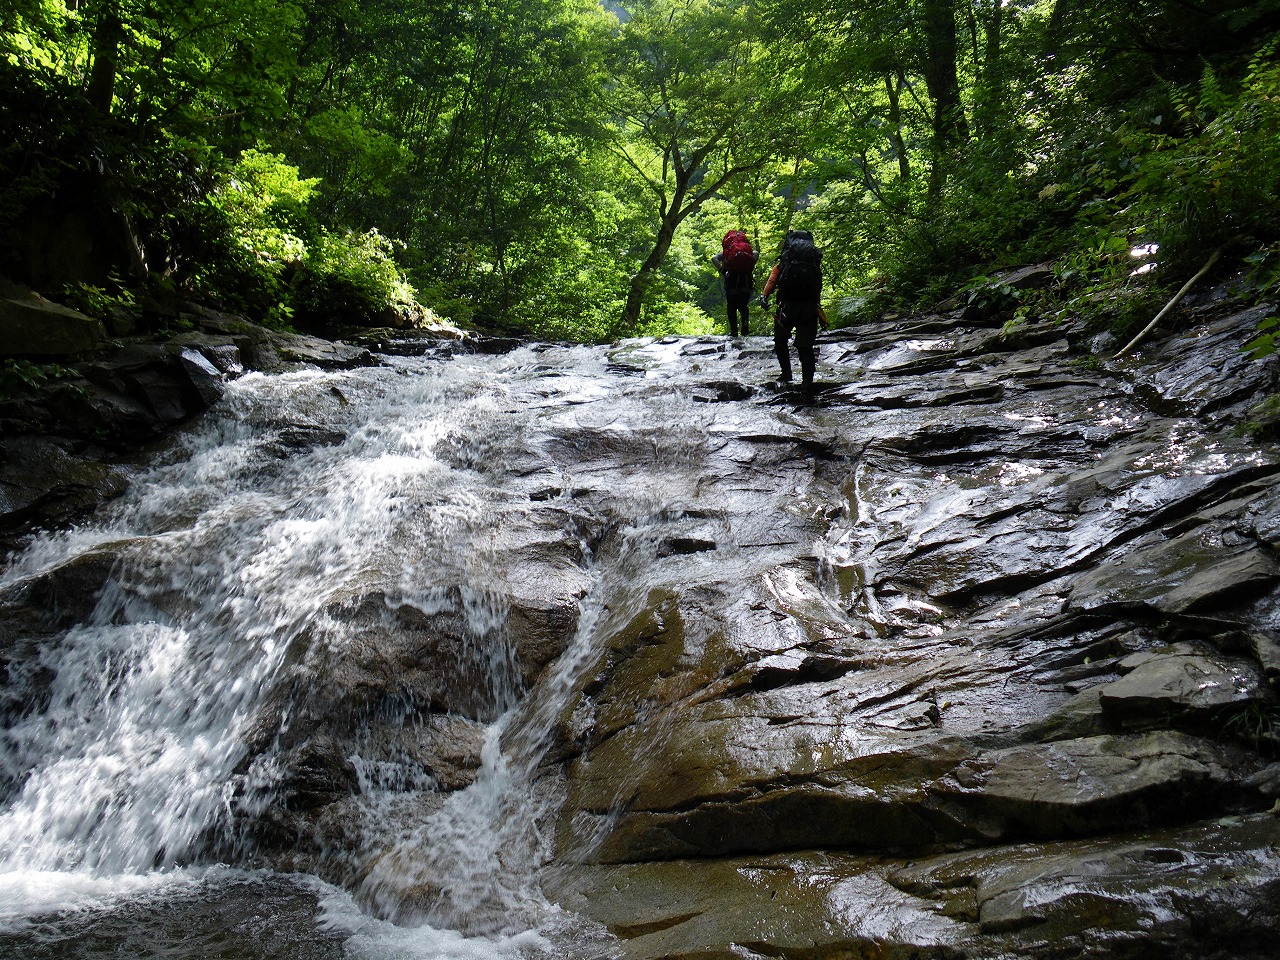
(69, 592)
(33, 327)
(1218, 378)
(202, 374)
(327, 354)
(263, 349)
(1210, 889)
(1199, 571)
(723, 391)
(314, 774)
(1181, 683)
(1139, 893)
(1077, 787)
(142, 390)
(786, 905)
(222, 351)
(1266, 650)
(1034, 277)
(43, 481)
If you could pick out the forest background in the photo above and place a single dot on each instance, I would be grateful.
(565, 170)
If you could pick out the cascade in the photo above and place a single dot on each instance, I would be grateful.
(135, 747)
(583, 652)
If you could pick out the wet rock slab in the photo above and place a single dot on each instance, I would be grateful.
(1183, 682)
(1035, 656)
(970, 654)
(1207, 889)
(66, 432)
(1093, 784)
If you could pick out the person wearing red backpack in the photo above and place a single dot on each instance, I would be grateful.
(736, 263)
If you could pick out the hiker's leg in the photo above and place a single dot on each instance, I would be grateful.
(781, 333)
(806, 333)
(736, 303)
(746, 316)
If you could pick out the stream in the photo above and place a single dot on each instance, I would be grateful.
(129, 759)
(577, 652)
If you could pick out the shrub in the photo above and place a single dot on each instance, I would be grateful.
(353, 278)
(1222, 179)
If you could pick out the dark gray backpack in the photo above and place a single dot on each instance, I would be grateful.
(800, 269)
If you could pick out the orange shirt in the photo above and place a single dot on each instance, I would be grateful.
(772, 281)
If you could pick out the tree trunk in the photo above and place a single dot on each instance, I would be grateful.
(644, 276)
(989, 103)
(107, 37)
(893, 86)
(949, 126)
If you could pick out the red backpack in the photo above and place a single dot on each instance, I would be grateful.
(736, 253)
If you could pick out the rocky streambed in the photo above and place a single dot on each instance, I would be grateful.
(971, 654)
(1017, 700)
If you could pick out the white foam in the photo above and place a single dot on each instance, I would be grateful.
(28, 894)
(369, 938)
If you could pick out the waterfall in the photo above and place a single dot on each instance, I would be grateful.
(139, 735)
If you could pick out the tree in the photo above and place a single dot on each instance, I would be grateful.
(950, 128)
(154, 89)
(461, 133)
(691, 111)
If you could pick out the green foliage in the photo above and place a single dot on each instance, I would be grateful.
(18, 376)
(1221, 178)
(1264, 279)
(989, 295)
(1264, 344)
(691, 105)
(101, 302)
(1264, 419)
(260, 229)
(18, 373)
(1256, 725)
(351, 277)
(284, 266)
(547, 166)
(1264, 270)
(675, 318)
(360, 166)
(265, 201)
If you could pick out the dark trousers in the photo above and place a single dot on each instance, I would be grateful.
(738, 305)
(803, 319)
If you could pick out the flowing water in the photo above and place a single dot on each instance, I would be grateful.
(125, 761)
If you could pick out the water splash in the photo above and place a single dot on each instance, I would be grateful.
(232, 566)
(219, 563)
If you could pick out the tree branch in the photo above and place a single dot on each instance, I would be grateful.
(706, 193)
(1214, 258)
(650, 182)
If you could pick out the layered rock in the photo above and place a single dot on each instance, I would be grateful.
(94, 402)
(972, 654)
(1044, 609)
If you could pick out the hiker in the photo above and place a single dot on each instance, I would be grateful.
(797, 277)
(736, 262)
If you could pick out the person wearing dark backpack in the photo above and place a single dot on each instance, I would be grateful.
(797, 279)
(736, 263)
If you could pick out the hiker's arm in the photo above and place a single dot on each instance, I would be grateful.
(771, 282)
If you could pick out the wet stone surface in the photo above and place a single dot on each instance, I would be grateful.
(970, 653)
(1038, 625)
